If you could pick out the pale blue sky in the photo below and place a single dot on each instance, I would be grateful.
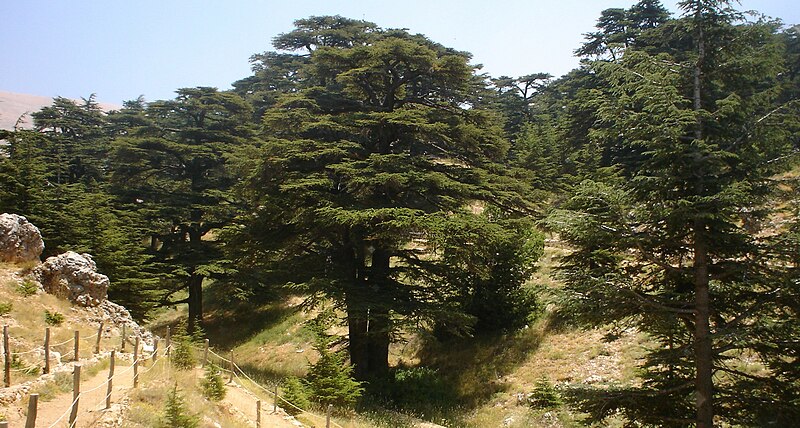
(121, 49)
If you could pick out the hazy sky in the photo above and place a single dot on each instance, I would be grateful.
(120, 49)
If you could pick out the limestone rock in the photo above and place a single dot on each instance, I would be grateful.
(74, 277)
(20, 240)
(112, 314)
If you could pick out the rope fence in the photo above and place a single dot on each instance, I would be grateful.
(105, 401)
(22, 361)
(263, 388)
(226, 365)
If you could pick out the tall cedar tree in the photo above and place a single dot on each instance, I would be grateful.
(368, 165)
(173, 170)
(674, 246)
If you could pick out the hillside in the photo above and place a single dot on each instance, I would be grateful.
(27, 312)
(463, 382)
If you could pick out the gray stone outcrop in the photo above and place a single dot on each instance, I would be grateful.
(74, 277)
(20, 241)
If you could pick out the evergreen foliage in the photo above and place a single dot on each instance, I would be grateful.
(182, 356)
(544, 395)
(375, 150)
(296, 392)
(172, 170)
(668, 242)
(53, 318)
(330, 380)
(176, 415)
(212, 385)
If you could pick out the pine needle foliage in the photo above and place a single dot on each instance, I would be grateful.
(295, 391)
(330, 380)
(176, 414)
(183, 353)
(212, 385)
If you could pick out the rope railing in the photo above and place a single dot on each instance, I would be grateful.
(254, 396)
(53, 345)
(69, 409)
(210, 351)
(139, 359)
(272, 394)
(30, 351)
(226, 365)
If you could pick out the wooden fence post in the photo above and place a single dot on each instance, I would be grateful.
(46, 350)
(233, 367)
(155, 350)
(76, 392)
(77, 349)
(124, 334)
(205, 354)
(3, 424)
(168, 342)
(258, 414)
(33, 403)
(110, 380)
(275, 404)
(99, 336)
(328, 416)
(136, 363)
(7, 355)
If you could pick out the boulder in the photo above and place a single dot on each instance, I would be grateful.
(20, 241)
(74, 277)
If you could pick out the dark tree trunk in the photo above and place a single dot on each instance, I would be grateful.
(195, 301)
(195, 281)
(358, 348)
(703, 352)
(378, 330)
(367, 320)
(378, 344)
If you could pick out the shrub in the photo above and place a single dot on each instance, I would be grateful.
(53, 318)
(295, 391)
(544, 395)
(182, 354)
(5, 308)
(212, 384)
(421, 389)
(175, 413)
(27, 288)
(330, 379)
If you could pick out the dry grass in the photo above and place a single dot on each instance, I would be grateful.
(147, 402)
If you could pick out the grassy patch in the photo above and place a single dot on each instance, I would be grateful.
(61, 383)
(147, 402)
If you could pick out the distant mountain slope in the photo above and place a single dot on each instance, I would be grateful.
(13, 105)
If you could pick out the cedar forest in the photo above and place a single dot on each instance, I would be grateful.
(396, 188)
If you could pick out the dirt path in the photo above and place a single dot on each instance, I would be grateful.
(239, 399)
(239, 402)
(91, 405)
